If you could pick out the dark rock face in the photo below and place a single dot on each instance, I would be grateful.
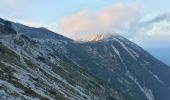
(38, 63)
(6, 27)
(126, 66)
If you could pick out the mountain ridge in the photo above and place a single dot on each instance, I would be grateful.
(55, 67)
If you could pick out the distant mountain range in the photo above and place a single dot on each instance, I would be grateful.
(36, 63)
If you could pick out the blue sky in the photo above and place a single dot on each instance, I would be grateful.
(53, 10)
(146, 22)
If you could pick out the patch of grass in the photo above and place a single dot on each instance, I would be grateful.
(15, 94)
(56, 94)
(19, 42)
(53, 92)
(30, 92)
(7, 55)
(29, 63)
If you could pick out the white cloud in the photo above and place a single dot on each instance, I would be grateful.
(123, 19)
(159, 18)
(117, 18)
(160, 30)
(154, 33)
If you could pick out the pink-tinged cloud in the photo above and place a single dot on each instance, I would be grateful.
(117, 18)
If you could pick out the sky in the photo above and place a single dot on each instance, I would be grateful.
(145, 22)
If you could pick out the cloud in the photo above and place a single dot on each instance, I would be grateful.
(116, 19)
(160, 30)
(123, 19)
(154, 32)
(159, 18)
(157, 27)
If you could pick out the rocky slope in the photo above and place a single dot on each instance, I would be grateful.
(36, 63)
(32, 67)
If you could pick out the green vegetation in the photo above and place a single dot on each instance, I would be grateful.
(19, 41)
(7, 55)
(57, 95)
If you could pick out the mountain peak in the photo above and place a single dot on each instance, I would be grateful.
(100, 37)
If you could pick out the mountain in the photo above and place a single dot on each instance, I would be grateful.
(127, 66)
(39, 64)
(35, 66)
(161, 53)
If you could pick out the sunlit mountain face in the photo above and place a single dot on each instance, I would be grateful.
(36, 63)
